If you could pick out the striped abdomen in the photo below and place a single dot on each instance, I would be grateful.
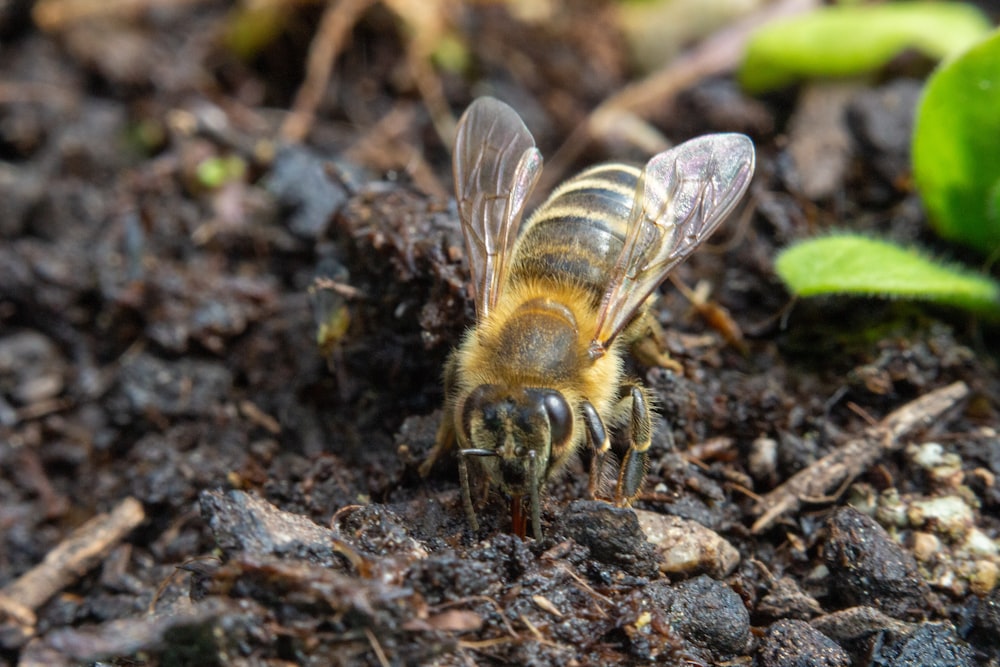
(578, 233)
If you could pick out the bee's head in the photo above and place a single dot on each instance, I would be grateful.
(514, 431)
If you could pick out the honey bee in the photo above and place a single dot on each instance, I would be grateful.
(541, 373)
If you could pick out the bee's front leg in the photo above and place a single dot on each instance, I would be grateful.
(632, 473)
(600, 443)
(463, 476)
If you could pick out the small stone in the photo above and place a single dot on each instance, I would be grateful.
(795, 643)
(711, 614)
(925, 546)
(869, 567)
(891, 510)
(943, 468)
(299, 181)
(949, 515)
(31, 367)
(612, 534)
(983, 578)
(929, 645)
(763, 460)
(245, 524)
(786, 600)
(849, 625)
(978, 543)
(864, 498)
(687, 547)
(186, 387)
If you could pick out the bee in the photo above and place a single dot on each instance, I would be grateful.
(541, 373)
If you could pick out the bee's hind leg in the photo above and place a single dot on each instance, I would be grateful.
(632, 472)
(651, 349)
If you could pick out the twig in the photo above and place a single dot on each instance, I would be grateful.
(833, 470)
(34, 476)
(331, 37)
(85, 547)
(379, 652)
(478, 644)
(431, 91)
(583, 585)
(24, 92)
(53, 15)
(44, 408)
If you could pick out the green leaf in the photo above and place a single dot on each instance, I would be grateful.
(253, 26)
(853, 264)
(214, 172)
(451, 55)
(956, 147)
(850, 40)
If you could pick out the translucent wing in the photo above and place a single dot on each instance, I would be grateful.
(496, 167)
(682, 196)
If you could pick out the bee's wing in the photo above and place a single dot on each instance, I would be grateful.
(496, 167)
(681, 197)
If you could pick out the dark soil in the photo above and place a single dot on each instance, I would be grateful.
(159, 341)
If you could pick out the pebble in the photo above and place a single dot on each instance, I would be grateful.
(786, 599)
(762, 461)
(944, 468)
(31, 367)
(856, 623)
(710, 613)
(795, 643)
(929, 645)
(612, 534)
(983, 577)
(687, 547)
(299, 181)
(187, 387)
(978, 543)
(243, 523)
(869, 567)
(925, 546)
(949, 515)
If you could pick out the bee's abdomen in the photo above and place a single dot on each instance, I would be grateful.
(577, 234)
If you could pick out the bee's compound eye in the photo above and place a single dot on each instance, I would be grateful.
(560, 416)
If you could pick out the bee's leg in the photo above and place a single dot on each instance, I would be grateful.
(633, 467)
(651, 349)
(463, 476)
(536, 510)
(443, 441)
(445, 438)
(597, 436)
